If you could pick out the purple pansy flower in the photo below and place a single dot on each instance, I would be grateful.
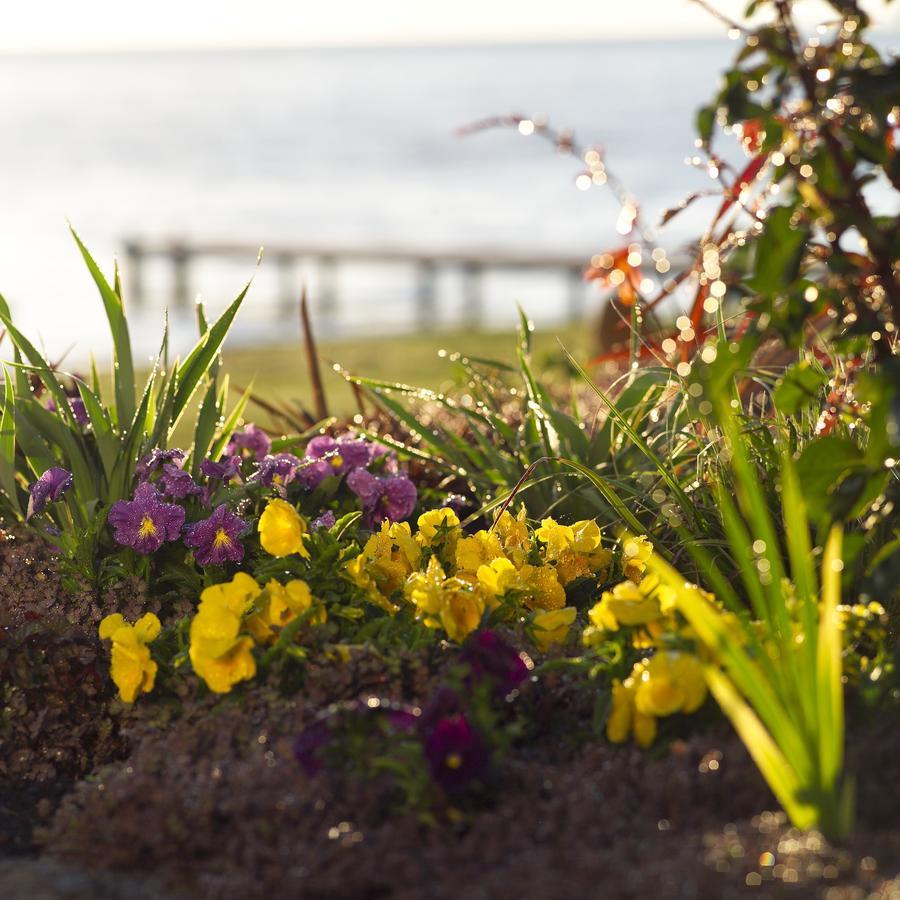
(276, 471)
(456, 753)
(309, 744)
(217, 539)
(48, 489)
(252, 441)
(343, 454)
(145, 522)
(176, 483)
(76, 404)
(489, 656)
(312, 472)
(326, 520)
(225, 470)
(79, 411)
(392, 497)
(156, 459)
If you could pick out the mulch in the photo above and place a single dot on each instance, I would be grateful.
(203, 798)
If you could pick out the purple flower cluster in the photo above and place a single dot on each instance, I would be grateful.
(454, 750)
(147, 521)
(387, 495)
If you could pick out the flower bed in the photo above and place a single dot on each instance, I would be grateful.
(626, 634)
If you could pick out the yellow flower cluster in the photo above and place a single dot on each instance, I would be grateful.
(451, 579)
(131, 668)
(669, 682)
(233, 617)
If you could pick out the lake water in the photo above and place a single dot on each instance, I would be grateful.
(343, 146)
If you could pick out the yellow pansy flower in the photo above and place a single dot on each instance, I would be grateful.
(670, 682)
(632, 604)
(537, 586)
(624, 718)
(575, 549)
(513, 534)
(219, 654)
(439, 530)
(498, 577)
(279, 605)
(541, 587)
(387, 560)
(131, 667)
(481, 549)
(552, 627)
(236, 595)
(556, 537)
(636, 551)
(454, 604)
(282, 529)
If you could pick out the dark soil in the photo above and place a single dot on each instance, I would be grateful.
(204, 799)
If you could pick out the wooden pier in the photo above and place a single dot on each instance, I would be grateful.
(425, 266)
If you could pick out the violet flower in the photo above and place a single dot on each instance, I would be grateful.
(225, 470)
(326, 520)
(145, 522)
(251, 442)
(276, 471)
(309, 744)
(392, 497)
(312, 472)
(156, 459)
(456, 753)
(343, 454)
(76, 404)
(489, 656)
(51, 485)
(217, 539)
(176, 483)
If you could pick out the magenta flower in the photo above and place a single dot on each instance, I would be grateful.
(489, 656)
(392, 497)
(251, 442)
(156, 459)
(48, 489)
(145, 522)
(456, 753)
(225, 470)
(276, 471)
(217, 539)
(176, 483)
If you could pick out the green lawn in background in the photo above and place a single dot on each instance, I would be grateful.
(279, 372)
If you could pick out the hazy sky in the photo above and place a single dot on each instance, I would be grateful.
(36, 25)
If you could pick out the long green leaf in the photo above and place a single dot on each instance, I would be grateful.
(123, 363)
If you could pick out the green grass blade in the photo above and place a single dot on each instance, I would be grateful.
(770, 760)
(202, 358)
(688, 508)
(830, 693)
(8, 445)
(123, 363)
